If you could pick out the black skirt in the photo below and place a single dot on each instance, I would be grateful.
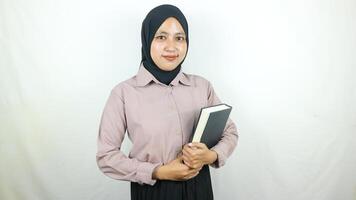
(197, 188)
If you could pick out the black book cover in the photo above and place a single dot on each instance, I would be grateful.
(214, 127)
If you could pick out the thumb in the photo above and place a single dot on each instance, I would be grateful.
(197, 145)
(179, 159)
(180, 154)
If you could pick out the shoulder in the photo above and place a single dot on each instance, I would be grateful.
(123, 86)
(198, 80)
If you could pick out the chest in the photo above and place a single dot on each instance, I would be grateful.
(163, 111)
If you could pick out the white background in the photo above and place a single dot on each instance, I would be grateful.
(287, 67)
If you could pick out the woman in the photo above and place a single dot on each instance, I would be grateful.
(158, 108)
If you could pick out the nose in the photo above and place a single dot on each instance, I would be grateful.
(170, 45)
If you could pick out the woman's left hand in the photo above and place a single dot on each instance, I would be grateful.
(196, 155)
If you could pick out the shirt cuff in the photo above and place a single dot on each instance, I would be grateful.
(144, 173)
(221, 159)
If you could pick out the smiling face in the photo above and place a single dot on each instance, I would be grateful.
(169, 45)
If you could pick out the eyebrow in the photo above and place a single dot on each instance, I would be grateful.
(165, 33)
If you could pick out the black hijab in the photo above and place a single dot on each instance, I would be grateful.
(150, 25)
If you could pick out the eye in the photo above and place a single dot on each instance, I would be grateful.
(180, 38)
(160, 37)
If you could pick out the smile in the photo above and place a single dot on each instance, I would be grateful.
(170, 58)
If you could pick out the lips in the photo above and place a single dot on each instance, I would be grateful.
(170, 57)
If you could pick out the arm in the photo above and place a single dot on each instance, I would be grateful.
(229, 139)
(111, 161)
(175, 170)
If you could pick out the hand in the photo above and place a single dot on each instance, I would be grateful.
(175, 170)
(196, 155)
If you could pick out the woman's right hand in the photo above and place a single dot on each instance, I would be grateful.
(175, 170)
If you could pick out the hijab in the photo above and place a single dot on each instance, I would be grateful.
(150, 25)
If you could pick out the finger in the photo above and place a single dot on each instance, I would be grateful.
(186, 146)
(191, 151)
(180, 154)
(186, 159)
(195, 150)
(191, 176)
(200, 155)
(179, 159)
(185, 152)
(194, 166)
(186, 156)
(187, 162)
(196, 162)
(182, 167)
(189, 165)
(192, 145)
(198, 145)
(195, 170)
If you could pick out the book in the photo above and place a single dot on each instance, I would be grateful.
(211, 124)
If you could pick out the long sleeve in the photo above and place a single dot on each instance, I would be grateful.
(229, 139)
(110, 160)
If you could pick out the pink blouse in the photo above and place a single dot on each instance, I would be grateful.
(159, 120)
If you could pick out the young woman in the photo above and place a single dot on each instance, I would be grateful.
(158, 108)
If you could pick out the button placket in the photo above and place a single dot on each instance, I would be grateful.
(175, 107)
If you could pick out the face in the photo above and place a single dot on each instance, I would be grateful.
(169, 45)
